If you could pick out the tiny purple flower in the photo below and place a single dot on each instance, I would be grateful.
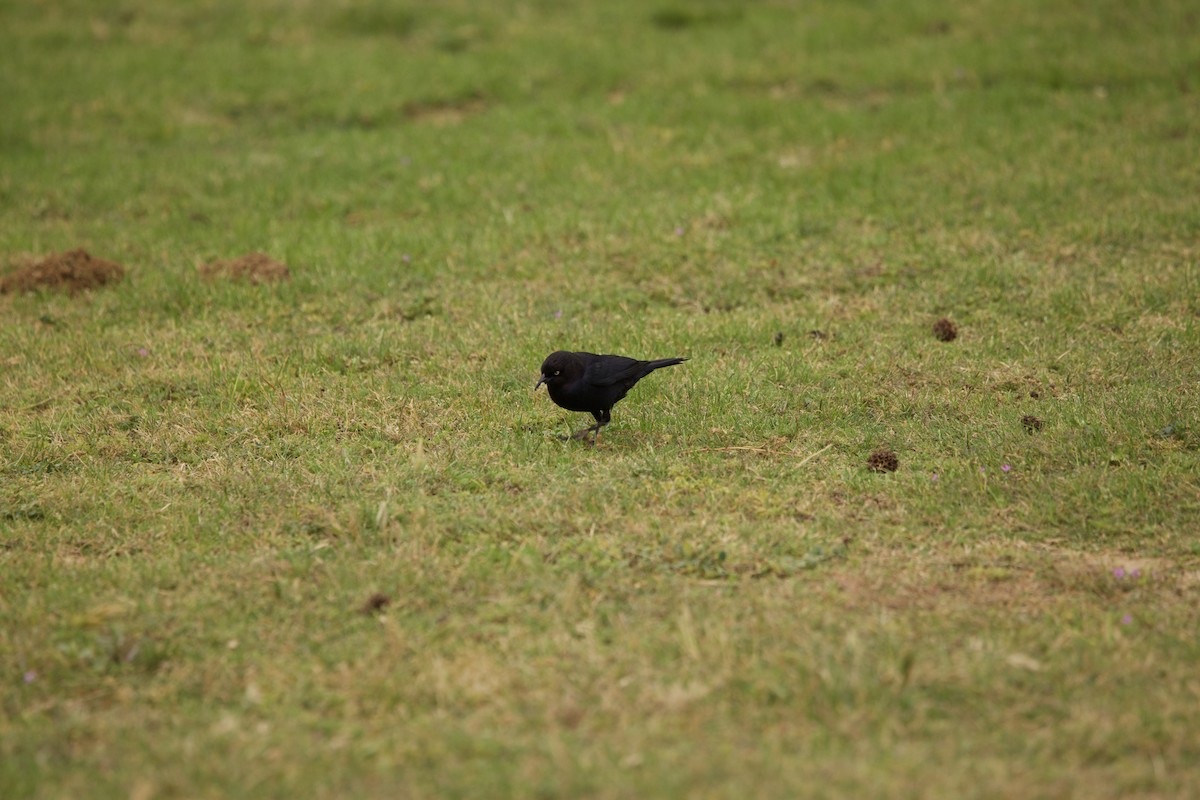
(679, 231)
(1125, 620)
(405, 258)
(1119, 573)
(143, 352)
(1005, 467)
(935, 476)
(558, 314)
(30, 676)
(1135, 573)
(982, 471)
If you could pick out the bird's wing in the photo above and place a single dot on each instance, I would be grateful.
(610, 370)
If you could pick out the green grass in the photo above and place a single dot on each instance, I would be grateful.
(202, 482)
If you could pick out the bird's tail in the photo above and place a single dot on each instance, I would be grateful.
(663, 362)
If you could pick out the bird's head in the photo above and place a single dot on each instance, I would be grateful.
(556, 369)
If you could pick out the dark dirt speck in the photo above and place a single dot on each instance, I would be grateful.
(376, 603)
(944, 330)
(883, 460)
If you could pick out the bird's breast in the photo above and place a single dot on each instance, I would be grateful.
(570, 398)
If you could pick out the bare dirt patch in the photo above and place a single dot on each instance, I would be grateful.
(251, 268)
(1014, 577)
(72, 270)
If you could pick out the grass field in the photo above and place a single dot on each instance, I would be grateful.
(318, 537)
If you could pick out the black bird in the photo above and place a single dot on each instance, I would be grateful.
(592, 383)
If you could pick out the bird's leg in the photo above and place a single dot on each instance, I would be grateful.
(583, 432)
(602, 419)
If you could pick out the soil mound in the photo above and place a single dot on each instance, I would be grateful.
(883, 460)
(73, 270)
(944, 330)
(252, 268)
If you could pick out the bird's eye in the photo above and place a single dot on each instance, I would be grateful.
(557, 371)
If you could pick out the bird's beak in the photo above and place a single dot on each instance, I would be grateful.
(540, 382)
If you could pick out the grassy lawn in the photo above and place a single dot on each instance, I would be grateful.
(319, 537)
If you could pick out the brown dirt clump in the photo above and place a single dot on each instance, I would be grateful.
(1031, 423)
(73, 270)
(944, 330)
(883, 460)
(252, 268)
(376, 603)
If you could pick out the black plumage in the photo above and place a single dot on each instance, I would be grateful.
(594, 383)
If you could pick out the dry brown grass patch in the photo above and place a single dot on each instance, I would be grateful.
(1026, 578)
(441, 113)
